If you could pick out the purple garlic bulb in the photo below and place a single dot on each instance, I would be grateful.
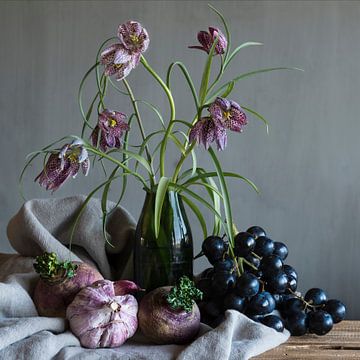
(99, 318)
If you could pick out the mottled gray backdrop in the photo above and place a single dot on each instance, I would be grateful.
(308, 167)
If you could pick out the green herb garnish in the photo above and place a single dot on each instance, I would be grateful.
(49, 267)
(184, 294)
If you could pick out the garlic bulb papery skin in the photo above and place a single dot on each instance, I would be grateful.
(99, 318)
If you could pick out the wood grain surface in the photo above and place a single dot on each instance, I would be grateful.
(343, 342)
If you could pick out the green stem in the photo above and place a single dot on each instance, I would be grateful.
(141, 127)
(181, 161)
(172, 113)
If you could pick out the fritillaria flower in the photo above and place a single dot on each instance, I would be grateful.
(120, 58)
(228, 113)
(63, 164)
(206, 39)
(134, 37)
(205, 132)
(111, 125)
(120, 69)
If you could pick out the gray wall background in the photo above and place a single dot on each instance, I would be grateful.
(308, 167)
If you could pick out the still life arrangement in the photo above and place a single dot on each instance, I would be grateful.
(164, 300)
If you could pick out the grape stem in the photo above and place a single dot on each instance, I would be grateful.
(307, 304)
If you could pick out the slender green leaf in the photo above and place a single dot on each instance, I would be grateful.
(208, 186)
(225, 193)
(228, 90)
(187, 77)
(154, 109)
(117, 88)
(236, 51)
(225, 174)
(217, 206)
(258, 116)
(227, 31)
(197, 213)
(88, 114)
(206, 74)
(216, 93)
(186, 123)
(196, 197)
(161, 192)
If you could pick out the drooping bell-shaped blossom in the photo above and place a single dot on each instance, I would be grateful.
(120, 58)
(111, 126)
(122, 68)
(63, 164)
(206, 39)
(205, 131)
(134, 37)
(228, 113)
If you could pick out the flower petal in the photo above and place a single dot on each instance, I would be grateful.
(122, 55)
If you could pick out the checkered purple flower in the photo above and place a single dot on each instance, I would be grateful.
(205, 132)
(63, 164)
(228, 113)
(120, 58)
(110, 128)
(206, 39)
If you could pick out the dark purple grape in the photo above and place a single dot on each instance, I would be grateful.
(274, 322)
(292, 284)
(235, 302)
(256, 231)
(291, 306)
(281, 250)
(247, 285)
(290, 271)
(226, 264)
(278, 283)
(277, 298)
(222, 282)
(271, 265)
(315, 296)
(206, 274)
(297, 324)
(320, 322)
(264, 246)
(252, 260)
(336, 309)
(214, 248)
(254, 317)
(244, 244)
(262, 303)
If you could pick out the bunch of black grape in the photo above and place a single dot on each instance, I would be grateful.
(251, 277)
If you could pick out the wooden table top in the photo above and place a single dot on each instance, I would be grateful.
(343, 342)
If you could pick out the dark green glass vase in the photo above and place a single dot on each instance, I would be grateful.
(162, 261)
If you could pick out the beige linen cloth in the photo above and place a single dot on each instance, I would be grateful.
(45, 225)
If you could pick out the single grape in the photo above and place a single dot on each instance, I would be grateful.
(292, 284)
(290, 271)
(281, 250)
(254, 317)
(291, 306)
(297, 324)
(247, 285)
(336, 309)
(226, 264)
(315, 296)
(256, 231)
(221, 282)
(278, 299)
(264, 246)
(235, 302)
(278, 283)
(274, 322)
(244, 244)
(320, 322)
(271, 265)
(252, 260)
(262, 303)
(206, 274)
(214, 248)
